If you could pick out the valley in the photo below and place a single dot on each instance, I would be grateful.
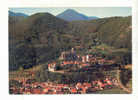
(50, 54)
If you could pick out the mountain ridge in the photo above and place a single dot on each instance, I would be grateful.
(17, 14)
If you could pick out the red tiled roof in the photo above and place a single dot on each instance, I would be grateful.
(73, 90)
(36, 91)
(60, 93)
(45, 90)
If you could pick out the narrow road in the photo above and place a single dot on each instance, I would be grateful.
(120, 83)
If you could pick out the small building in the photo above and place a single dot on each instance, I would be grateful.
(52, 67)
(87, 58)
(68, 55)
(83, 59)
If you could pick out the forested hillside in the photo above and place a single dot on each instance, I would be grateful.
(42, 37)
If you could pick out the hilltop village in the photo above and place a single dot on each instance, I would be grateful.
(71, 59)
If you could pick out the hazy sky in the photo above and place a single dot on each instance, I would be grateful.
(93, 11)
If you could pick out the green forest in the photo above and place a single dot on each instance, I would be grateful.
(41, 38)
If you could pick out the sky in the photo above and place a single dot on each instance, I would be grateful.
(91, 11)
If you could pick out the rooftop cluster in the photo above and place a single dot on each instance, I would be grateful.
(54, 88)
(71, 58)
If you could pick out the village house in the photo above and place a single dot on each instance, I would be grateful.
(54, 88)
(83, 59)
(68, 55)
(86, 58)
(101, 61)
(52, 67)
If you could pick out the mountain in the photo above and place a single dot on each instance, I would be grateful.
(17, 14)
(72, 15)
(118, 35)
(41, 37)
(40, 23)
(36, 39)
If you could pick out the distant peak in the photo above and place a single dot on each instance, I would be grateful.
(70, 11)
(72, 15)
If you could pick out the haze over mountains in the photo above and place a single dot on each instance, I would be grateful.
(17, 14)
(68, 15)
(41, 37)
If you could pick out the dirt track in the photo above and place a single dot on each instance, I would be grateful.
(120, 83)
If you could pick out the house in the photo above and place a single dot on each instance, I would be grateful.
(100, 84)
(45, 90)
(78, 86)
(83, 90)
(88, 85)
(62, 57)
(85, 64)
(73, 90)
(52, 67)
(68, 55)
(87, 58)
(101, 61)
(83, 59)
(36, 91)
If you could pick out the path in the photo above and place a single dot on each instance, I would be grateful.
(120, 83)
